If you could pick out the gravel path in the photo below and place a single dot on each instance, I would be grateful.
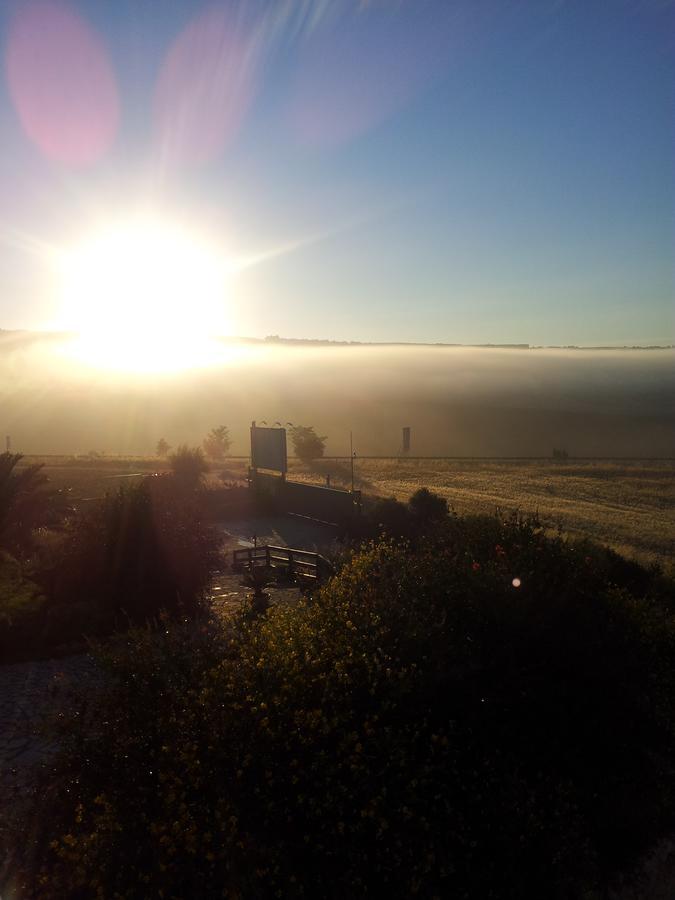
(29, 693)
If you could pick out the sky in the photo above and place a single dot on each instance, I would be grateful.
(372, 170)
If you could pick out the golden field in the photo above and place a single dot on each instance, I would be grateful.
(629, 505)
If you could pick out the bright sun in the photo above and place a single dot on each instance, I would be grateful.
(145, 297)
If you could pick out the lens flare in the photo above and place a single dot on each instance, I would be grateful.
(205, 87)
(61, 83)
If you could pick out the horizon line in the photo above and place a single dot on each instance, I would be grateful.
(277, 339)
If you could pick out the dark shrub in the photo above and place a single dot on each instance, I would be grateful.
(388, 516)
(485, 717)
(26, 504)
(20, 605)
(188, 466)
(424, 512)
(18, 595)
(427, 506)
(143, 549)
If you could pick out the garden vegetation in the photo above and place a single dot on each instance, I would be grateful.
(489, 712)
(68, 573)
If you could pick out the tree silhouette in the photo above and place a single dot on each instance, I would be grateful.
(307, 443)
(162, 448)
(217, 443)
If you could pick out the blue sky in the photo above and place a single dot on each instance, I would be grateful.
(400, 170)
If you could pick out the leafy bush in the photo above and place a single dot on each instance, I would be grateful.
(20, 606)
(188, 466)
(15, 589)
(425, 511)
(426, 506)
(490, 716)
(143, 549)
(26, 505)
(387, 516)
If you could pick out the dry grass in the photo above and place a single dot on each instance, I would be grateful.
(629, 505)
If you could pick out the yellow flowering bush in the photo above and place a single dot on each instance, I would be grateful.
(488, 716)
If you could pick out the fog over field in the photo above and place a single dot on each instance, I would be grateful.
(458, 400)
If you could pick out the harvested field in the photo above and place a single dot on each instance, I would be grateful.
(629, 505)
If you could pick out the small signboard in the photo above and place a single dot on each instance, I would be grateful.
(268, 448)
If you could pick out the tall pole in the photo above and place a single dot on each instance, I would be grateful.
(351, 457)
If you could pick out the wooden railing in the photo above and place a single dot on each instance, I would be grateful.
(299, 564)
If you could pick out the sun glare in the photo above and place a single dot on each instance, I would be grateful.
(144, 297)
